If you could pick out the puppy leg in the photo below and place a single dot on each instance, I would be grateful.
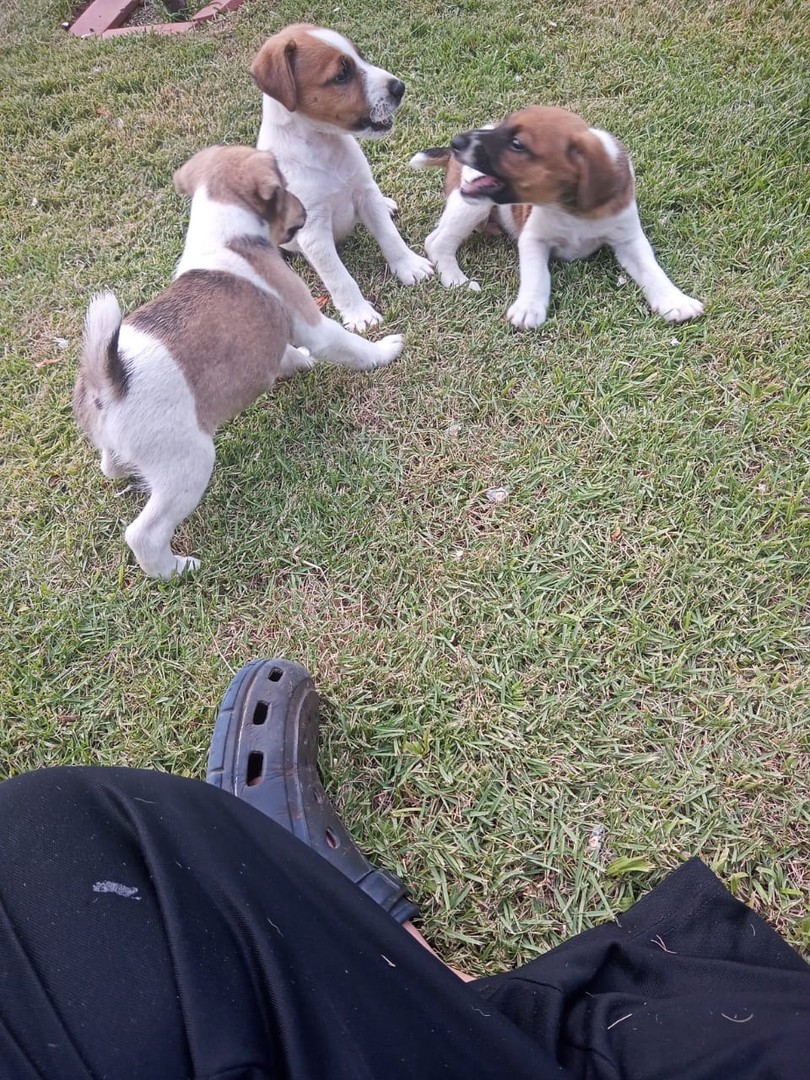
(111, 467)
(317, 243)
(176, 488)
(375, 213)
(530, 307)
(665, 299)
(293, 361)
(329, 341)
(459, 219)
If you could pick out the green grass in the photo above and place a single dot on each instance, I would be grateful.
(622, 645)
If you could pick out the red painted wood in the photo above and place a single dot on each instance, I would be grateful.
(102, 15)
(216, 7)
(152, 28)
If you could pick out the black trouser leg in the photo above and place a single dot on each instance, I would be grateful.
(157, 928)
(689, 984)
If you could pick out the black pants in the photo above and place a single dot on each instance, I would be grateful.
(158, 928)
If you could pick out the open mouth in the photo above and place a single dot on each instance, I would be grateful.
(482, 187)
(380, 126)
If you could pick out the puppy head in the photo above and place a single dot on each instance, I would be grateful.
(543, 156)
(321, 75)
(242, 176)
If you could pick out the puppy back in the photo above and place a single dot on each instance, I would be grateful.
(102, 375)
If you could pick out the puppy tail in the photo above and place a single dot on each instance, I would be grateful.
(102, 375)
(437, 157)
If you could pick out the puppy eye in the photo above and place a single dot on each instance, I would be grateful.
(516, 144)
(345, 73)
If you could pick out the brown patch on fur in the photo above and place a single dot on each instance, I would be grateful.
(244, 177)
(227, 336)
(269, 264)
(562, 164)
(299, 70)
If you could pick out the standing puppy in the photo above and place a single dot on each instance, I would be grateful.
(319, 96)
(152, 389)
(562, 190)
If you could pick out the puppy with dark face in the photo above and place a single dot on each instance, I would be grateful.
(562, 190)
(153, 388)
(319, 95)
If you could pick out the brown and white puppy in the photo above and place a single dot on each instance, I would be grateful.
(153, 388)
(320, 94)
(562, 190)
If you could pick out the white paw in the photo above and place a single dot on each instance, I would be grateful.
(295, 359)
(390, 205)
(412, 269)
(676, 307)
(111, 467)
(185, 564)
(388, 349)
(360, 319)
(526, 316)
(454, 277)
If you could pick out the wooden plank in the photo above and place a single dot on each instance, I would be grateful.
(152, 28)
(102, 15)
(216, 7)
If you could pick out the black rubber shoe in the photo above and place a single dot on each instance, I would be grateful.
(265, 750)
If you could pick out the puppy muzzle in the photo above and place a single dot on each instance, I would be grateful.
(469, 150)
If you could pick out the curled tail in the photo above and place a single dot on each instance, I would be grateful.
(102, 376)
(437, 157)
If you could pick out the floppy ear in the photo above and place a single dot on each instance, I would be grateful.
(273, 71)
(268, 190)
(295, 215)
(187, 177)
(597, 174)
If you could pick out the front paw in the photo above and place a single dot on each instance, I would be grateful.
(526, 316)
(676, 306)
(391, 206)
(361, 318)
(413, 268)
(388, 349)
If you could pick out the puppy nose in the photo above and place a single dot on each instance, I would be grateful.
(396, 89)
(460, 142)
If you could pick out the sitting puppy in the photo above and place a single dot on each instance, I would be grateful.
(319, 94)
(152, 389)
(563, 190)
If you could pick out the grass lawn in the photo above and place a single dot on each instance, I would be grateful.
(533, 709)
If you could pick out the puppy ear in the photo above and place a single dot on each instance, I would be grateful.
(597, 174)
(295, 215)
(273, 71)
(185, 178)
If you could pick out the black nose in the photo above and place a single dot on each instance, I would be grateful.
(460, 142)
(396, 89)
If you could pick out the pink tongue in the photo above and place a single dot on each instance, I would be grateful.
(483, 183)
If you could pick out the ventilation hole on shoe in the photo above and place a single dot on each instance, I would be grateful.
(275, 674)
(254, 769)
(260, 712)
(331, 839)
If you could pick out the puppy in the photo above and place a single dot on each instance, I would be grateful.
(320, 94)
(562, 190)
(152, 389)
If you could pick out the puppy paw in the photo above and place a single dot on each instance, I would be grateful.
(388, 349)
(454, 278)
(677, 307)
(391, 206)
(360, 319)
(526, 316)
(412, 269)
(185, 564)
(295, 359)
